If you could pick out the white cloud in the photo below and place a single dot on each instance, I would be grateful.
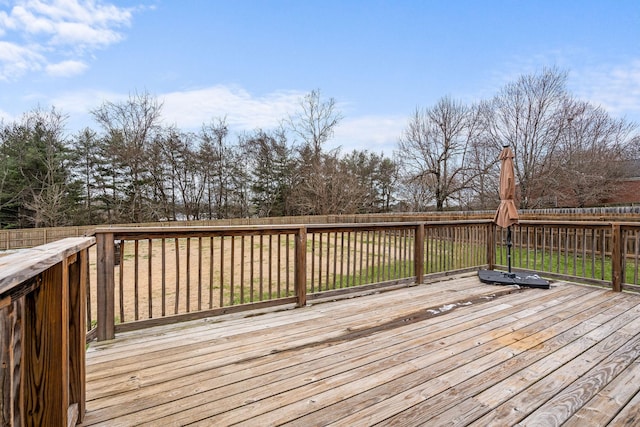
(45, 30)
(616, 87)
(192, 108)
(16, 60)
(373, 133)
(79, 104)
(66, 68)
(245, 112)
(6, 117)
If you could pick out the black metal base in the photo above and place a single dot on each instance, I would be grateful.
(493, 277)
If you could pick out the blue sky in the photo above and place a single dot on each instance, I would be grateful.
(252, 61)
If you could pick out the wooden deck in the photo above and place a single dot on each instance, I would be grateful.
(451, 352)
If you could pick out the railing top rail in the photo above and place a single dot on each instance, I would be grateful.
(20, 266)
(585, 224)
(133, 232)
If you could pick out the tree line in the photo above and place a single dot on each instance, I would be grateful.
(134, 168)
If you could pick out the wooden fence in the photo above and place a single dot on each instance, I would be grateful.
(42, 334)
(30, 237)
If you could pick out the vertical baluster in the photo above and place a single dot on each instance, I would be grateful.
(313, 261)
(584, 252)
(288, 257)
(163, 280)
(623, 255)
(335, 259)
(211, 266)
(576, 251)
(251, 270)
(636, 253)
(593, 253)
(242, 256)
(603, 252)
(348, 275)
(135, 279)
(535, 248)
(320, 254)
(279, 270)
(328, 260)
(383, 266)
(121, 281)
(232, 272)
(149, 273)
(367, 257)
(221, 284)
(199, 273)
(188, 278)
(261, 268)
(270, 270)
(177, 296)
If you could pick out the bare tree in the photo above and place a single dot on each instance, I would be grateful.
(436, 146)
(224, 172)
(130, 126)
(314, 124)
(316, 121)
(530, 115)
(591, 145)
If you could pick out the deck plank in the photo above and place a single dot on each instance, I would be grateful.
(455, 351)
(541, 381)
(435, 394)
(606, 404)
(274, 366)
(575, 396)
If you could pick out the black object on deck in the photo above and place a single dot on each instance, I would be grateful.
(493, 277)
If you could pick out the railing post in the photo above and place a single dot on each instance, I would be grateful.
(616, 258)
(491, 245)
(106, 286)
(45, 354)
(77, 330)
(418, 262)
(301, 266)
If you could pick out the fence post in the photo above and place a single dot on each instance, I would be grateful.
(106, 286)
(491, 245)
(418, 262)
(616, 258)
(301, 267)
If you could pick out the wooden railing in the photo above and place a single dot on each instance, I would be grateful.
(42, 334)
(599, 253)
(151, 276)
(170, 274)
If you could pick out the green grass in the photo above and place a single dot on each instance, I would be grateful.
(549, 262)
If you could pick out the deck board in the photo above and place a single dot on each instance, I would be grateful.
(455, 351)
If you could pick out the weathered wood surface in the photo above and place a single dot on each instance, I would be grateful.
(452, 352)
(42, 334)
(18, 267)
